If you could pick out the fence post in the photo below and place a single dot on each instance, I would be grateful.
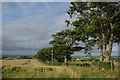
(74, 62)
(111, 65)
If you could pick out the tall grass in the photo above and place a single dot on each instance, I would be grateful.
(45, 71)
(56, 72)
(40, 72)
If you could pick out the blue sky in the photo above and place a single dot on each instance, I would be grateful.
(27, 26)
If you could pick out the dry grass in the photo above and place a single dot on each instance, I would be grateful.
(14, 62)
(32, 68)
(22, 62)
(36, 69)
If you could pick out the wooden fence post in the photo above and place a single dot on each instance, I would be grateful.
(111, 65)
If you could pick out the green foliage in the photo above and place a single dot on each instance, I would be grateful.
(105, 65)
(13, 73)
(55, 63)
(95, 63)
(54, 54)
(4, 57)
(63, 45)
(44, 54)
(16, 57)
(93, 20)
(25, 57)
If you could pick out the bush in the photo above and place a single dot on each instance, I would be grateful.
(105, 65)
(95, 63)
(54, 63)
(65, 64)
(25, 57)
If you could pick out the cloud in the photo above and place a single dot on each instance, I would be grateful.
(38, 31)
(33, 30)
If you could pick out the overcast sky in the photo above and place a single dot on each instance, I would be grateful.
(27, 26)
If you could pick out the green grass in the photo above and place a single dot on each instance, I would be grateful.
(92, 75)
(26, 74)
(13, 74)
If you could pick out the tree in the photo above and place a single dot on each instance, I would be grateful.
(63, 44)
(96, 23)
(63, 47)
(44, 54)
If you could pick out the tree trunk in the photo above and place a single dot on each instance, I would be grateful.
(110, 45)
(101, 53)
(107, 53)
(101, 56)
(52, 56)
(65, 59)
(107, 57)
(104, 48)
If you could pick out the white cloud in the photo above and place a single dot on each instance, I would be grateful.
(32, 27)
(37, 32)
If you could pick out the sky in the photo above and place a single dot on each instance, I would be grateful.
(27, 26)
(59, 0)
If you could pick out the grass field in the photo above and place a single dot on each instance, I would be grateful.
(32, 68)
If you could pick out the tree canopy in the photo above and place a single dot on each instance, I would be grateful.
(44, 54)
(63, 44)
(96, 23)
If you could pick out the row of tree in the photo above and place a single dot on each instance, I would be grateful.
(94, 24)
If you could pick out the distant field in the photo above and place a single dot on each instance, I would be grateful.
(22, 62)
(32, 68)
